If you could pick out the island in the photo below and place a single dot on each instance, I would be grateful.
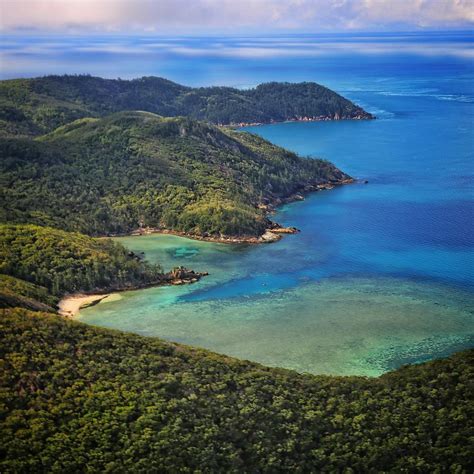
(79, 161)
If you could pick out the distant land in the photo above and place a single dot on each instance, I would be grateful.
(38, 106)
(92, 155)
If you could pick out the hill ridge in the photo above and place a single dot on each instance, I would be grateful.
(128, 170)
(38, 105)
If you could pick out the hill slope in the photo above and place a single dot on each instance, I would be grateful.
(17, 293)
(75, 398)
(111, 175)
(55, 262)
(37, 106)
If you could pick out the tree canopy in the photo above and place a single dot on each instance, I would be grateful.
(39, 105)
(55, 262)
(75, 398)
(131, 169)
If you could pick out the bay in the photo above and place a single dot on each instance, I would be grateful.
(382, 274)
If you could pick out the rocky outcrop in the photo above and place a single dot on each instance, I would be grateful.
(278, 229)
(268, 237)
(356, 115)
(182, 276)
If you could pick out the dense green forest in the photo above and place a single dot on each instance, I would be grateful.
(37, 106)
(75, 398)
(17, 293)
(131, 169)
(46, 263)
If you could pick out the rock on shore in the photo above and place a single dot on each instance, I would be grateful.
(181, 276)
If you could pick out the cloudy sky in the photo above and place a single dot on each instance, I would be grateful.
(233, 16)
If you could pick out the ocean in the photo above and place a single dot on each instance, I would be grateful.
(382, 274)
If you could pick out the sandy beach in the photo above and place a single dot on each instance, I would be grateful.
(70, 305)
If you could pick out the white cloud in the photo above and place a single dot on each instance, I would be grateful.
(189, 16)
(244, 48)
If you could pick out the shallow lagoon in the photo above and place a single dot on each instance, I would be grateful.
(337, 325)
(381, 274)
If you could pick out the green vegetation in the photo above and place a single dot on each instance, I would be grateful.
(16, 293)
(76, 398)
(103, 168)
(131, 169)
(37, 106)
(55, 262)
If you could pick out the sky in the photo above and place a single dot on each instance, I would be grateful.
(231, 16)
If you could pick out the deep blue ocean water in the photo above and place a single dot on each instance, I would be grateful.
(382, 273)
(415, 218)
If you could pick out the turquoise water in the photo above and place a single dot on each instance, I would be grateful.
(381, 274)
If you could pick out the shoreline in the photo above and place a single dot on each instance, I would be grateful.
(70, 306)
(272, 234)
(321, 118)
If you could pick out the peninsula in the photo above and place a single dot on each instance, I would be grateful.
(41, 265)
(79, 161)
(37, 106)
(137, 170)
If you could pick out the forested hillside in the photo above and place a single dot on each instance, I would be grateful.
(131, 169)
(75, 398)
(46, 263)
(17, 293)
(37, 106)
